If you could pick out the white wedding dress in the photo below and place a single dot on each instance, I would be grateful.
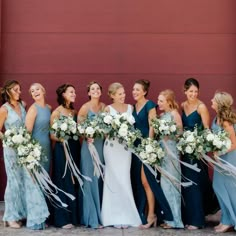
(118, 206)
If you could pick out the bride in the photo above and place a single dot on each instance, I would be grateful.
(118, 206)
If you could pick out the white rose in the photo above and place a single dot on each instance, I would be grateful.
(152, 158)
(123, 132)
(7, 132)
(89, 131)
(200, 148)
(37, 152)
(54, 126)
(30, 158)
(190, 138)
(172, 128)
(143, 155)
(81, 130)
(210, 137)
(107, 119)
(63, 126)
(17, 139)
(124, 126)
(149, 148)
(188, 150)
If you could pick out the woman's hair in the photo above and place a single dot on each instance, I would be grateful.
(170, 98)
(5, 91)
(113, 88)
(145, 84)
(37, 84)
(225, 110)
(189, 82)
(60, 98)
(92, 83)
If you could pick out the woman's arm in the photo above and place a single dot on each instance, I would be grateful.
(151, 115)
(30, 118)
(229, 128)
(205, 116)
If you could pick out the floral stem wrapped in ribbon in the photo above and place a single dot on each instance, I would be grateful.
(30, 155)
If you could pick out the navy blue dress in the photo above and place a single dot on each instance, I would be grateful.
(163, 210)
(199, 199)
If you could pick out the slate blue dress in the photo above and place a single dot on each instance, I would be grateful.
(19, 203)
(92, 197)
(172, 192)
(163, 210)
(68, 183)
(225, 187)
(40, 132)
(198, 197)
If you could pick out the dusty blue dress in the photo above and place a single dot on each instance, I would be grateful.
(91, 199)
(172, 193)
(19, 203)
(163, 210)
(69, 184)
(198, 197)
(41, 132)
(225, 187)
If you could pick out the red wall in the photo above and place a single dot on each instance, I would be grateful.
(76, 41)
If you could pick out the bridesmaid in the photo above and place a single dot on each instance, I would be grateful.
(19, 203)
(195, 113)
(167, 104)
(224, 185)
(118, 206)
(65, 218)
(37, 121)
(146, 188)
(91, 199)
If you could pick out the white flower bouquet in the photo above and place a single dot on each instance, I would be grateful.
(164, 127)
(16, 136)
(121, 126)
(150, 151)
(216, 142)
(191, 142)
(64, 128)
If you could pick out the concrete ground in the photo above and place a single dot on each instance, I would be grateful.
(208, 231)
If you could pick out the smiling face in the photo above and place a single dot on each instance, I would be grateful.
(119, 95)
(37, 92)
(69, 95)
(138, 92)
(14, 92)
(95, 91)
(163, 105)
(192, 93)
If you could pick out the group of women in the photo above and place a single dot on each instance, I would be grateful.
(129, 194)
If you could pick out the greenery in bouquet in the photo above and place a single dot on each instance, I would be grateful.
(64, 128)
(121, 126)
(192, 143)
(150, 151)
(216, 141)
(16, 136)
(97, 127)
(165, 127)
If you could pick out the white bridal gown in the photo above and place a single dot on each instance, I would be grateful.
(118, 206)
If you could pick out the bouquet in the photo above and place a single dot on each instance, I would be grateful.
(164, 127)
(16, 136)
(216, 142)
(150, 152)
(64, 128)
(191, 142)
(121, 126)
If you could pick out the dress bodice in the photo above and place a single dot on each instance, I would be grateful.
(42, 121)
(192, 120)
(114, 111)
(166, 116)
(216, 128)
(13, 118)
(141, 118)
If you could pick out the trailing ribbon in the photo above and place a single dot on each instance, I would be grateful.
(98, 166)
(72, 166)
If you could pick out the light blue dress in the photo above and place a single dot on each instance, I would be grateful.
(23, 197)
(40, 132)
(91, 199)
(225, 187)
(172, 193)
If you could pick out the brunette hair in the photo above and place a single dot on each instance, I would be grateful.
(90, 84)
(189, 82)
(60, 98)
(145, 84)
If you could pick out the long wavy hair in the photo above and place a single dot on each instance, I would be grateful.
(170, 98)
(60, 98)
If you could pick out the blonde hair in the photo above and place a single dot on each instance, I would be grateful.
(170, 98)
(37, 84)
(112, 89)
(225, 110)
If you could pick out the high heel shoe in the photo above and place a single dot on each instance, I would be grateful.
(12, 224)
(224, 228)
(152, 221)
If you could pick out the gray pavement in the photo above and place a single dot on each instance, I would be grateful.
(208, 231)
